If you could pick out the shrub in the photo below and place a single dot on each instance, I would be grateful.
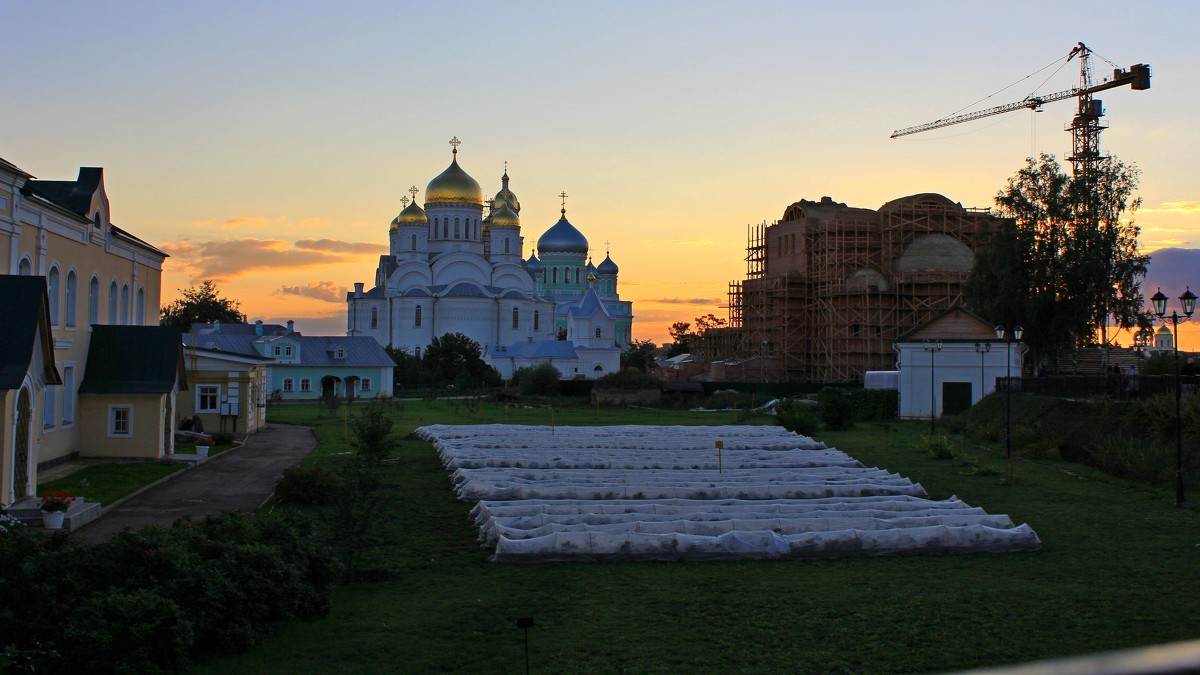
(628, 379)
(128, 631)
(308, 485)
(796, 416)
(940, 447)
(540, 380)
(876, 404)
(222, 437)
(837, 409)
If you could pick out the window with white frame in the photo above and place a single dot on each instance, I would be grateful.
(68, 387)
(208, 398)
(70, 299)
(305, 384)
(52, 289)
(288, 384)
(120, 420)
(278, 350)
(49, 407)
(374, 317)
(287, 351)
(364, 384)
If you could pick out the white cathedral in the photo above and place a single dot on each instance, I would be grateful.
(452, 269)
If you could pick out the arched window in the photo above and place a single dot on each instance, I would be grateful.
(446, 229)
(418, 352)
(374, 317)
(576, 275)
(506, 249)
(53, 284)
(456, 230)
(72, 297)
(124, 303)
(93, 301)
(112, 303)
(597, 333)
(141, 307)
(25, 268)
(555, 275)
(417, 317)
(516, 317)
(96, 221)
(414, 242)
(535, 320)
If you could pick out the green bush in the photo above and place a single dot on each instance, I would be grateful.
(149, 600)
(837, 409)
(796, 416)
(876, 404)
(940, 447)
(539, 380)
(308, 485)
(629, 379)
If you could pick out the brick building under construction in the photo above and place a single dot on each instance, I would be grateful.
(829, 287)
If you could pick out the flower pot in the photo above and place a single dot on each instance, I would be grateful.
(202, 450)
(53, 520)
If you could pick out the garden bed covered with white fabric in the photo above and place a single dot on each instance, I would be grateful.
(664, 493)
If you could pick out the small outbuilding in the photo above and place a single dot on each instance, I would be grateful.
(951, 362)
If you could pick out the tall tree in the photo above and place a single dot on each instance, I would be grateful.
(456, 358)
(682, 335)
(638, 354)
(1064, 260)
(201, 304)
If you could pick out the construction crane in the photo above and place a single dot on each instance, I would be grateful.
(1085, 128)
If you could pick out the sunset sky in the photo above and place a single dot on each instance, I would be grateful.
(267, 145)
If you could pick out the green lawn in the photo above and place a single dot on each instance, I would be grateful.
(106, 483)
(1120, 568)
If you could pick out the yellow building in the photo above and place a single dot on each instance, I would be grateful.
(95, 274)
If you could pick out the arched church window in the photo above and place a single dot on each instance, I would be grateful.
(555, 275)
(506, 249)
(535, 320)
(93, 301)
(417, 317)
(25, 267)
(374, 317)
(597, 333)
(124, 303)
(446, 229)
(516, 317)
(96, 220)
(139, 308)
(414, 242)
(576, 275)
(71, 299)
(112, 303)
(52, 282)
(456, 228)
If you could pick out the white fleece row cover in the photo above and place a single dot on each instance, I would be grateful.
(663, 493)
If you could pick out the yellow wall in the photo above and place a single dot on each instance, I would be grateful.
(147, 438)
(250, 416)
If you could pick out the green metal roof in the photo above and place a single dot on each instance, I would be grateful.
(133, 360)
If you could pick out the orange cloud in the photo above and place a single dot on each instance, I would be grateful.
(1188, 206)
(223, 259)
(339, 246)
(685, 301)
(326, 291)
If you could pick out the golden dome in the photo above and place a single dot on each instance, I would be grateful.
(506, 196)
(411, 214)
(453, 185)
(504, 216)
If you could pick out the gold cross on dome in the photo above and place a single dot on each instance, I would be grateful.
(413, 190)
(405, 200)
(563, 194)
(606, 245)
(455, 142)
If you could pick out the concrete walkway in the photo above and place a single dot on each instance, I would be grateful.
(236, 480)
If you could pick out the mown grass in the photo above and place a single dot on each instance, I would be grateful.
(106, 483)
(1120, 568)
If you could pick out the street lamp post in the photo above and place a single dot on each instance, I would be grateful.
(933, 348)
(983, 348)
(1008, 337)
(1188, 302)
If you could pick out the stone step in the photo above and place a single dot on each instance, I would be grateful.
(80, 513)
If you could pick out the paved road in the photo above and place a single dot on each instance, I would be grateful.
(236, 480)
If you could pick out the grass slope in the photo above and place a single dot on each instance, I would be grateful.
(1119, 569)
